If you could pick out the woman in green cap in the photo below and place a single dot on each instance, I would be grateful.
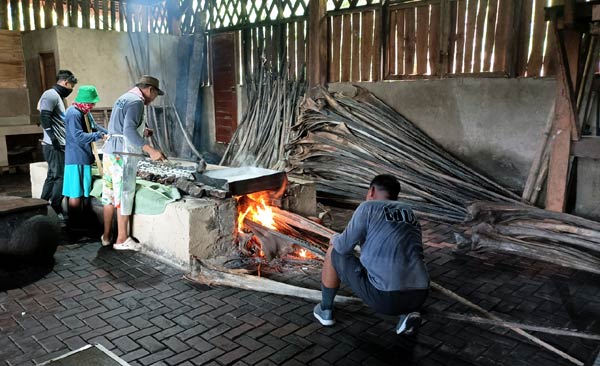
(77, 181)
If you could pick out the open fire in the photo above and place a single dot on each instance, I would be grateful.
(262, 240)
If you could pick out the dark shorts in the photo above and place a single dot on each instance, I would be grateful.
(353, 274)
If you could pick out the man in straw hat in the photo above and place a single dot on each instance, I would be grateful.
(78, 150)
(127, 130)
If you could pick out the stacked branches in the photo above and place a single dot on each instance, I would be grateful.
(264, 131)
(527, 231)
(343, 142)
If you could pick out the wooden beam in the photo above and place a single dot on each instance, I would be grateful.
(587, 147)
(564, 125)
(317, 43)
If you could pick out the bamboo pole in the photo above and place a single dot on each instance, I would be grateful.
(519, 331)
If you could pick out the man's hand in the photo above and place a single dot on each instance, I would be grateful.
(57, 146)
(148, 132)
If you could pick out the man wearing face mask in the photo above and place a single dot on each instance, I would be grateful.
(52, 119)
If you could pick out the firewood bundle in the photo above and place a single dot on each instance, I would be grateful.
(343, 142)
(554, 237)
(264, 130)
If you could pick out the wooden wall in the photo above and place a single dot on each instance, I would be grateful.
(12, 66)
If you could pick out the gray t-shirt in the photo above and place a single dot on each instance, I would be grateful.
(126, 118)
(51, 101)
(391, 249)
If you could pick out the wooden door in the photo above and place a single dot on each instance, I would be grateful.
(223, 74)
(47, 71)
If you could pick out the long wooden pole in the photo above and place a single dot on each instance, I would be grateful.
(519, 331)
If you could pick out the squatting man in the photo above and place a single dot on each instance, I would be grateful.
(390, 276)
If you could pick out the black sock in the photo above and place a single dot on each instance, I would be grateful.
(328, 295)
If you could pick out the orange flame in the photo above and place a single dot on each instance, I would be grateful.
(257, 211)
(303, 253)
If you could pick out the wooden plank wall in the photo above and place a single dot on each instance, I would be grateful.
(12, 66)
(483, 38)
(413, 41)
(355, 46)
(277, 45)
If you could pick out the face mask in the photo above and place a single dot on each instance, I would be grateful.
(62, 91)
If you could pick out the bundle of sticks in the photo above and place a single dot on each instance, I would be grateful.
(343, 142)
(554, 237)
(264, 130)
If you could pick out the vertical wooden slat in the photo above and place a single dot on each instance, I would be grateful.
(422, 35)
(268, 44)
(448, 39)
(122, 11)
(366, 45)
(14, 14)
(26, 6)
(48, 5)
(271, 44)
(524, 35)
(490, 36)
(390, 50)
(376, 54)
(356, 47)
(104, 23)
(4, 14)
(301, 28)
(434, 43)
(539, 32)
(60, 12)
(460, 35)
(346, 47)
(470, 35)
(334, 49)
(113, 15)
(291, 48)
(401, 40)
(85, 14)
(503, 33)
(37, 20)
(481, 17)
(550, 56)
(409, 44)
(96, 13)
(276, 47)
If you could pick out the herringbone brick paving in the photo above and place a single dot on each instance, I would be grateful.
(145, 312)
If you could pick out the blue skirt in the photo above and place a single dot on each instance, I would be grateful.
(77, 181)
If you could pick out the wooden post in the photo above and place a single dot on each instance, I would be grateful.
(317, 43)
(4, 14)
(564, 128)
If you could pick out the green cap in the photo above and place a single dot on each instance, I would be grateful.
(87, 94)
